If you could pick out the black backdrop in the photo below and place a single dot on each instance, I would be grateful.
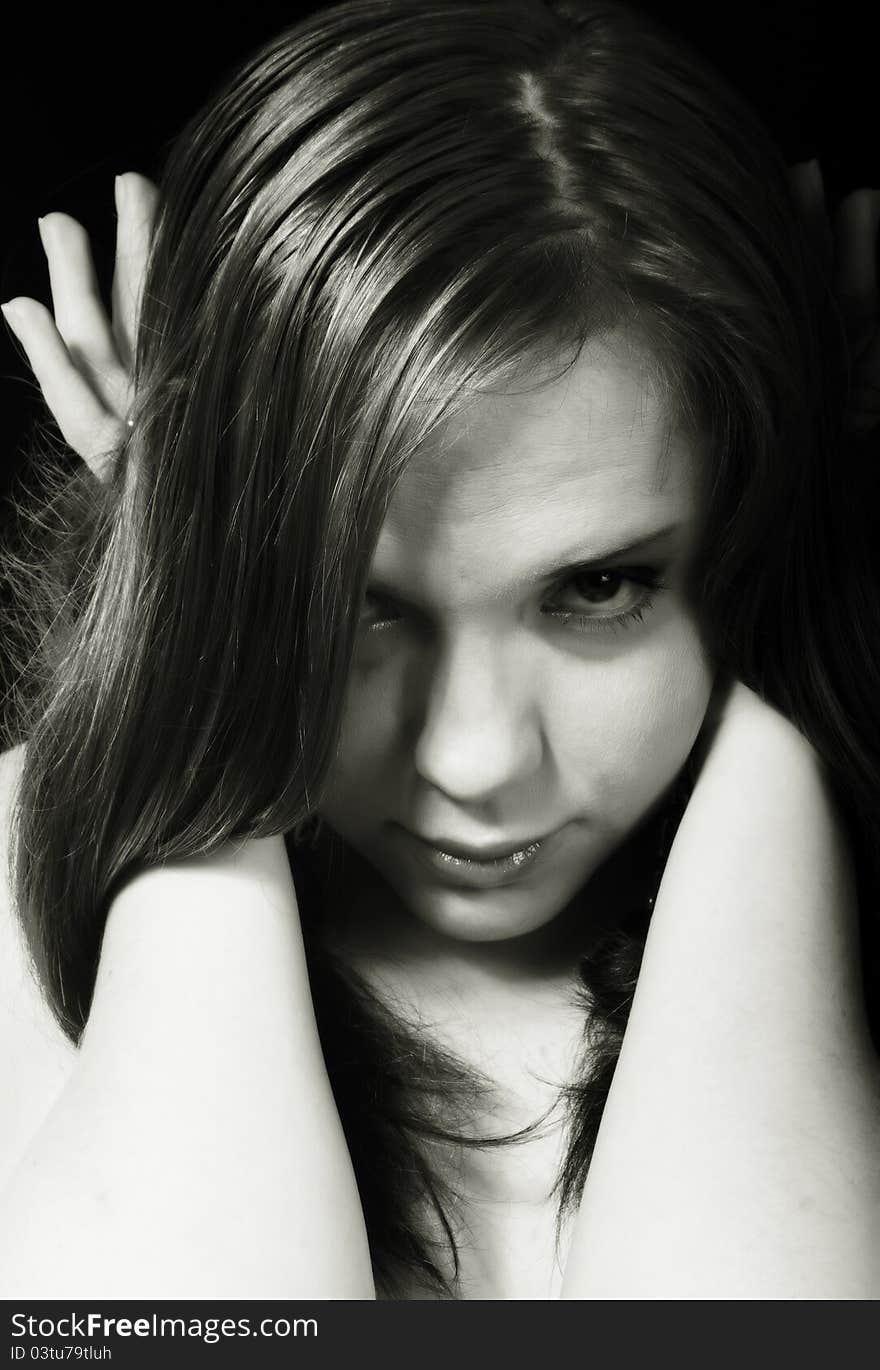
(88, 92)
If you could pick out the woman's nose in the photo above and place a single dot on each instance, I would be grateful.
(480, 727)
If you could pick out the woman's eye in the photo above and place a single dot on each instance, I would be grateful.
(595, 601)
(597, 587)
(590, 601)
(377, 612)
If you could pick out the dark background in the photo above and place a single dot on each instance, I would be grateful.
(90, 92)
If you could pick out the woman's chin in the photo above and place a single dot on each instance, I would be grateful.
(485, 915)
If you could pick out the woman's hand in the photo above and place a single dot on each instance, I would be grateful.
(82, 359)
(848, 245)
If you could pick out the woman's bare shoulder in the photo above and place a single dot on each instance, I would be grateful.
(35, 1057)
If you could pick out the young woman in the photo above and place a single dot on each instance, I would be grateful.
(471, 549)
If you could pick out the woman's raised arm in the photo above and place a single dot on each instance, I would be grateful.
(739, 1152)
(196, 1151)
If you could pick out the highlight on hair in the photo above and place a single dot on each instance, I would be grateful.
(393, 207)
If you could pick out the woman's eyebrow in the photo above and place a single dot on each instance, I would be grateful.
(574, 562)
(589, 559)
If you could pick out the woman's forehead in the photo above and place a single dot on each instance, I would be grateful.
(584, 460)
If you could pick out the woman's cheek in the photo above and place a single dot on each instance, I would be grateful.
(371, 736)
(629, 728)
(673, 705)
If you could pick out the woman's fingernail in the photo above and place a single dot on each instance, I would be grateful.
(11, 312)
(119, 193)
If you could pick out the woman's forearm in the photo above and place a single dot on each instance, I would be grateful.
(196, 1150)
(739, 1153)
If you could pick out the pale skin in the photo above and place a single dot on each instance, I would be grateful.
(479, 714)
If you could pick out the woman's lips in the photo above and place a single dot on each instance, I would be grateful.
(469, 868)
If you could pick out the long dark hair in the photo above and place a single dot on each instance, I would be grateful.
(388, 209)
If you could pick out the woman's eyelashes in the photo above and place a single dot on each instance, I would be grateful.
(379, 611)
(590, 601)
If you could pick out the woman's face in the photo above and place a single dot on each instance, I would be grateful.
(523, 689)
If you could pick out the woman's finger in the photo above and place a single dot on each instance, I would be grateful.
(855, 242)
(80, 316)
(808, 188)
(137, 203)
(86, 425)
